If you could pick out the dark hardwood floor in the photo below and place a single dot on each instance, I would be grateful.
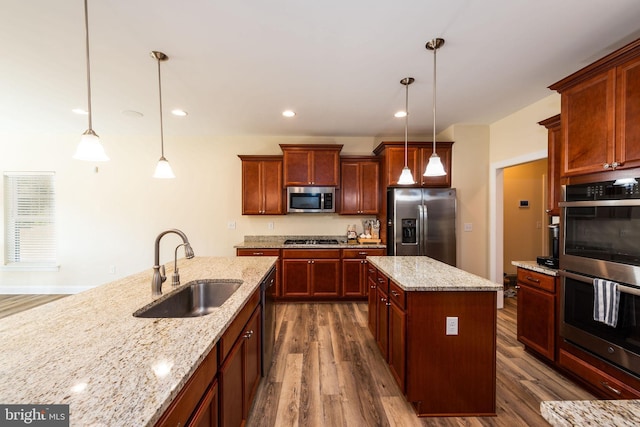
(327, 371)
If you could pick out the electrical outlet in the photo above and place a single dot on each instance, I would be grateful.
(112, 269)
(270, 225)
(468, 226)
(452, 326)
(231, 225)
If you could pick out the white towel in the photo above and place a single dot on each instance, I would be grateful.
(606, 299)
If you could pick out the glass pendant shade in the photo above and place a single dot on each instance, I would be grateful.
(434, 167)
(163, 169)
(90, 149)
(406, 178)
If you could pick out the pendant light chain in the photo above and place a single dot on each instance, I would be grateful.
(161, 123)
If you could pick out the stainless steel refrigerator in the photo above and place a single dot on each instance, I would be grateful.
(422, 221)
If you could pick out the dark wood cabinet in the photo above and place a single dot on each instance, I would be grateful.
(554, 162)
(262, 185)
(418, 154)
(599, 108)
(397, 334)
(359, 185)
(266, 252)
(355, 269)
(372, 297)
(382, 314)
(207, 412)
(240, 374)
(310, 273)
(317, 164)
(537, 307)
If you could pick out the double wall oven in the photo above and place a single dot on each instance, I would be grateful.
(600, 239)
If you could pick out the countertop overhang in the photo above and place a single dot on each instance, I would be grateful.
(87, 350)
(421, 273)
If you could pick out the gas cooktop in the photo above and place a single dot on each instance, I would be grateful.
(311, 242)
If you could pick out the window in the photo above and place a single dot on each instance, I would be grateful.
(29, 216)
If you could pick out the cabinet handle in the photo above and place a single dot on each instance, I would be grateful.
(383, 299)
(258, 253)
(381, 280)
(362, 253)
(372, 286)
(248, 334)
(517, 286)
(395, 294)
(606, 385)
(606, 166)
(614, 165)
(531, 279)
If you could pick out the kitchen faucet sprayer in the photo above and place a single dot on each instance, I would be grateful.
(158, 271)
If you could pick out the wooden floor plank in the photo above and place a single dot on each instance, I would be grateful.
(12, 304)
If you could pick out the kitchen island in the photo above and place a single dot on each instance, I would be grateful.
(113, 369)
(436, 327)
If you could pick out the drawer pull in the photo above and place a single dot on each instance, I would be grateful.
(395, 294)
(606, 385)
(531, 279)
(381, 280)
(258, 253)
(248, 334)
(372, 286)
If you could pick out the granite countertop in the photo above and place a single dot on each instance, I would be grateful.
(580, 413)
(420, 273)
(277, 242)
(87, 350)
(534, 266)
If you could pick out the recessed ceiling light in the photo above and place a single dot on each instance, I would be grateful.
(400, 114)
(288, 113)
(179, 112)
(132, 113)
(80, 111)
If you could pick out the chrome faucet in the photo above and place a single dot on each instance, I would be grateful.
(158, 271)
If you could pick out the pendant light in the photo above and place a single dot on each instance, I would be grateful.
(89, 148)
(406, 178)
(434, 167)
(163, 169)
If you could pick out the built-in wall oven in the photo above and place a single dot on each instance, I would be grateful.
(600, 239)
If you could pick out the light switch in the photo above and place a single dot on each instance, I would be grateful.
(231, 225)
(452, 326)
(468, 226)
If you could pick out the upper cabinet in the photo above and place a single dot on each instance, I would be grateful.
(600, 107)
(317, 165)
(359, 185)
(262, 190)
(418, 154)
(554, 155)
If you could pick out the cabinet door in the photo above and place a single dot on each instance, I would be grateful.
(536, 320)
(554, 154)
(295, 277)
(372, 300)
(251, 195)
(297, 167)
(444, 150)
(352, 277)
(369, 188)
(325, 277)
(588, 117)
(397, 344)
(252, 360)
(382, 337)
(207, 413)
(350, 188)
(231, 382)
(395, 163)
(326, 167)
(272, 188)
(627, 113)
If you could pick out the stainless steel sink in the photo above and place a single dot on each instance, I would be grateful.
(196, 298)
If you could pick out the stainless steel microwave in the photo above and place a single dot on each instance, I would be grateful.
(311, 199)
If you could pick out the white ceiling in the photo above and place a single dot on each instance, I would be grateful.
(236, 65)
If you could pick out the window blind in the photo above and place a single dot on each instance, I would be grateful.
(30, 229)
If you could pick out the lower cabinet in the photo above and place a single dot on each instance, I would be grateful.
(265, 252)
(240, 374)
(207, 413)
(397, 322)
(372, 297)
(537, 307)
(310, 273)
(354, 271)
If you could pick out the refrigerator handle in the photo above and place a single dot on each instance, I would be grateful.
(425, 228)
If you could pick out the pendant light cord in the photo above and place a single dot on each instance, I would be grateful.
(86, 32)
(161, 124)
(406, 125)
(435, 48)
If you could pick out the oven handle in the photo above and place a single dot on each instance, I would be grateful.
(592, 203)
(585, 279)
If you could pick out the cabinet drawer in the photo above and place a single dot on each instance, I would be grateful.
(608, 385)
(258, 252)
(397, 295)
(538, 280)
(311, 253)
(382, 282)
(236, 328)
(361, 253)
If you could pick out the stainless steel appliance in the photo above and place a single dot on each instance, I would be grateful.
(267, 296)
(311, 199)
(600, 239)
(422, 221)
